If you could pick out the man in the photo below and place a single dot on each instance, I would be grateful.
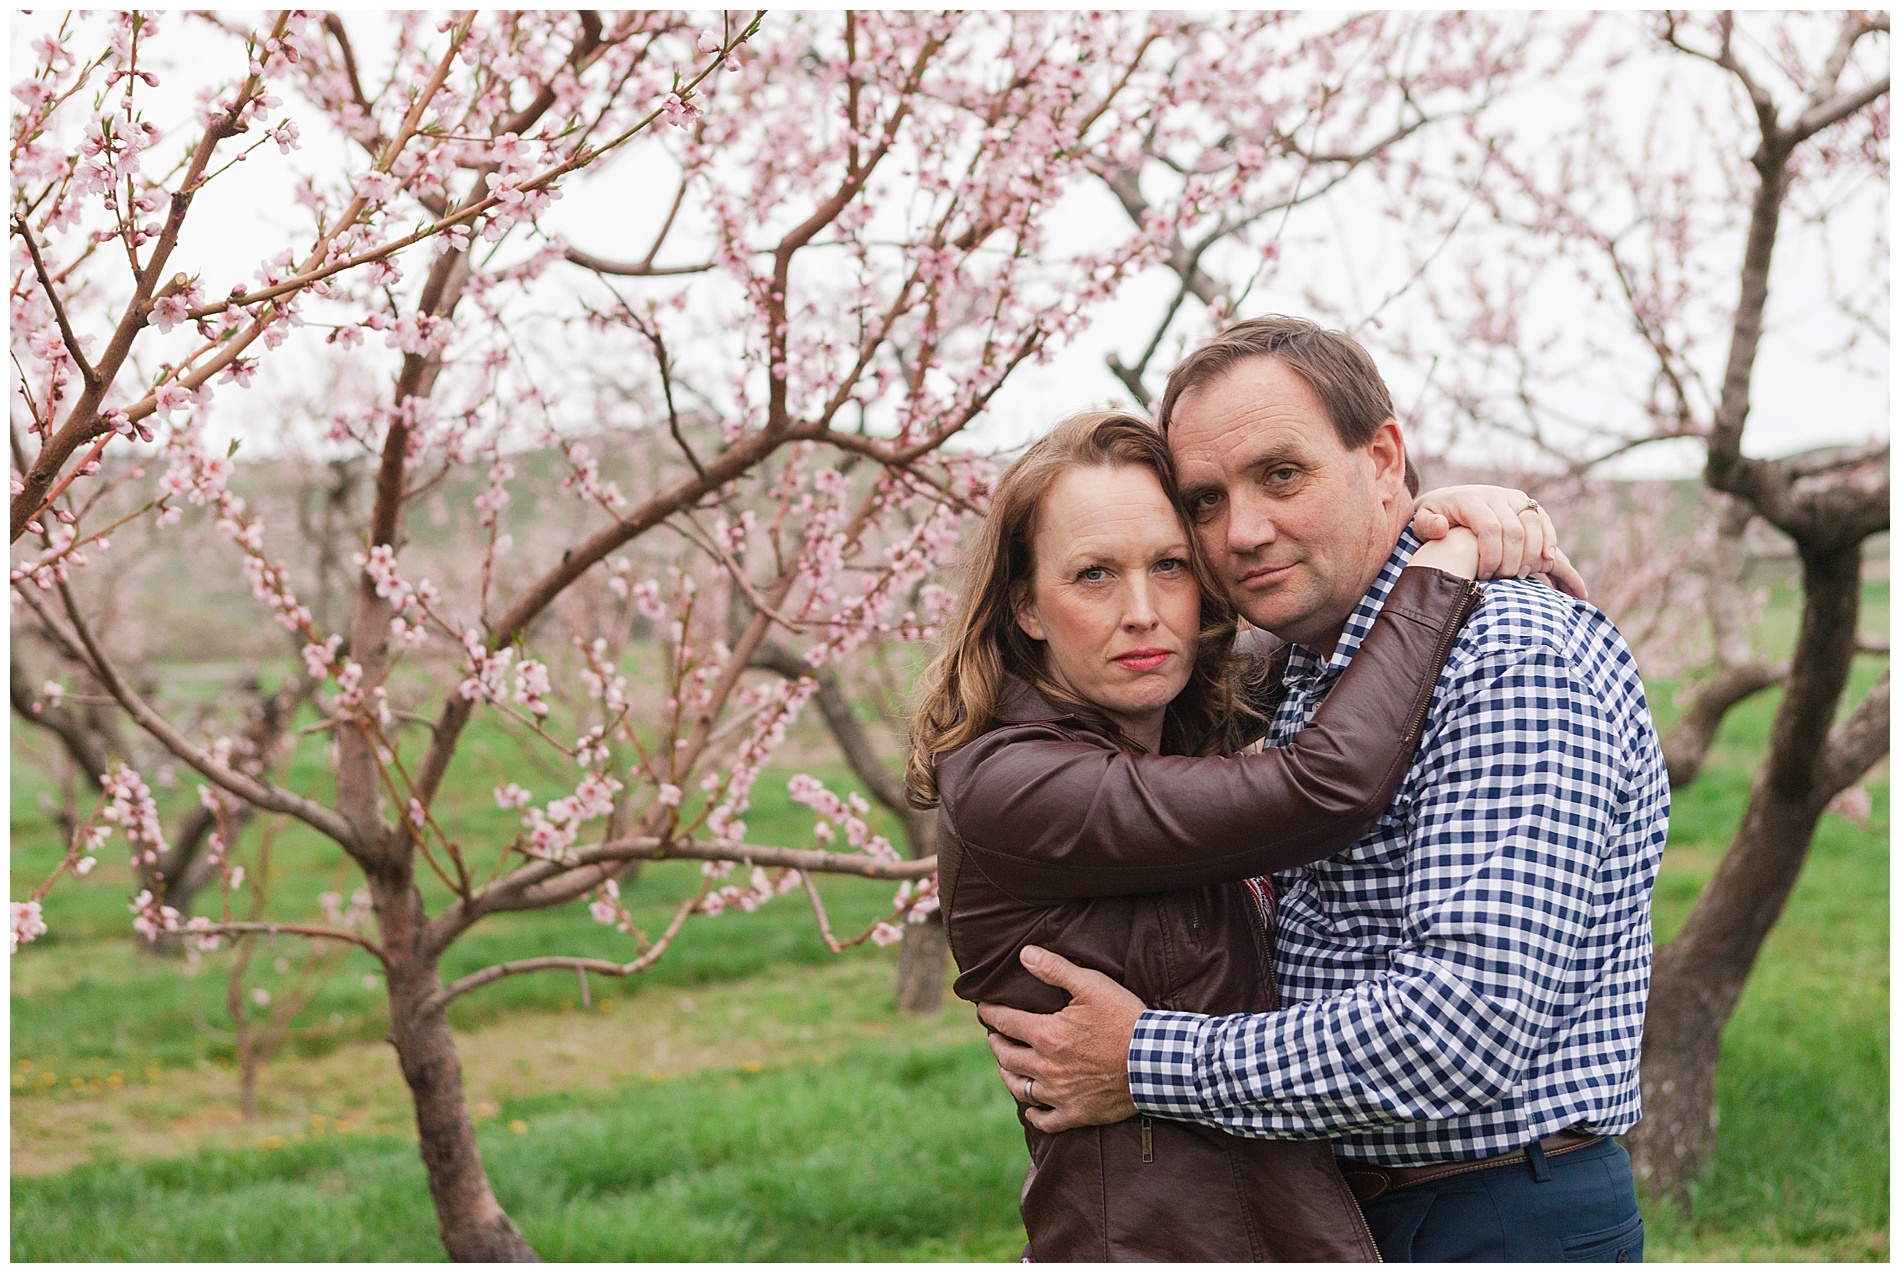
(1465, 985)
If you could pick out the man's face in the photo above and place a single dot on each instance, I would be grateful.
(1295, 524)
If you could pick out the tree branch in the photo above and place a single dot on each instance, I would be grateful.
(76, 738)
(1824, 114)
(630, 269)
(605, 967)
(1830, 459)
(59, 308)
(853, 741)
(238, 784)
(1856, 744)
(298, 930)
(1687, 743)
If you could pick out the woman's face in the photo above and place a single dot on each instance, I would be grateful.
(1113, 596)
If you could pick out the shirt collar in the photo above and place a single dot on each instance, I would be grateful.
(1303, 662)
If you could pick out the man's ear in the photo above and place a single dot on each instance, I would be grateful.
(1387, 450)
(1024, 612)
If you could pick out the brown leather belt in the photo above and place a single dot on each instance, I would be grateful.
(1368, 1182)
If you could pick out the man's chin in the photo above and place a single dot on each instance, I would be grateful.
(1272, 607)
(1285, 622)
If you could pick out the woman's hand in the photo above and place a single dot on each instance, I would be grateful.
(1455, 553)
(1514, 536)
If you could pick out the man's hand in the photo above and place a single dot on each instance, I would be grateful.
(1076, 1059)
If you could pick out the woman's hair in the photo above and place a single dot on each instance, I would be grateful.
(981, 645)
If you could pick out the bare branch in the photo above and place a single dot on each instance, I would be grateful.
(1825, 114)
(297, 930)
(1830, 459)
(631, 269)
(77, 739)
(605, 967)
(652, 849)
(1857, 743)
(1687, 742)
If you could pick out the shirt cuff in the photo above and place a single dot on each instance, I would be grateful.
(1163, 1059)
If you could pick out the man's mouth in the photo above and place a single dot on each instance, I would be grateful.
(1143, 660)
(1261, 576)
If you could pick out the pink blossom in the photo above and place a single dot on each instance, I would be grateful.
(168, 312)
(25, 924)
(172, 397)
(680, 113)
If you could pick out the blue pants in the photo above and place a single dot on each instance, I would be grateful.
(1578, 1206)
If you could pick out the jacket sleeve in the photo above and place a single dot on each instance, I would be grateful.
(1047, 817)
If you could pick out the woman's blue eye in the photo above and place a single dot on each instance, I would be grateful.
(1091, 574)
(1171, 564)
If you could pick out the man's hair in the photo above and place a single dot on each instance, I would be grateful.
(1334, 365)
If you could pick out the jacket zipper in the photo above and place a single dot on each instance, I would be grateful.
(1266, 949)
(1466, 604)
(1378, 1257)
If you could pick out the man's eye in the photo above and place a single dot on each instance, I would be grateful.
(1282, 474)
(1204, 504)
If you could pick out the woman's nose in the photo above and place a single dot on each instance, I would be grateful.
(1138, 612)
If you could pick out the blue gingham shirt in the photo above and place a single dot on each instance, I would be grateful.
(1471, 974)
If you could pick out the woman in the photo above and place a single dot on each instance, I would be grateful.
(1071, 731)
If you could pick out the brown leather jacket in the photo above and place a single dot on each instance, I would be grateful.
(1130, 864)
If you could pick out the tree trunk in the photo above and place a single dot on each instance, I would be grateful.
(1700, 975)
(247, 1085)
(473, 1225)
(920, 965)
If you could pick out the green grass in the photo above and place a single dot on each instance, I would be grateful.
(876, 1155)
(1802, 1146)
(891, 1149)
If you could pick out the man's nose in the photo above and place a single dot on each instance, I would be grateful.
(1249, 525)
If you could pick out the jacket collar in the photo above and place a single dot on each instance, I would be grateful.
(1022, 704)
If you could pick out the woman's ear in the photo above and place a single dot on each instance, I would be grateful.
(1024, 612)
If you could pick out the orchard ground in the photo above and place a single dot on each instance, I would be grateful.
(754, 1097)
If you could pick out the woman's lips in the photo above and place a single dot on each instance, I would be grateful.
(1143, 660)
